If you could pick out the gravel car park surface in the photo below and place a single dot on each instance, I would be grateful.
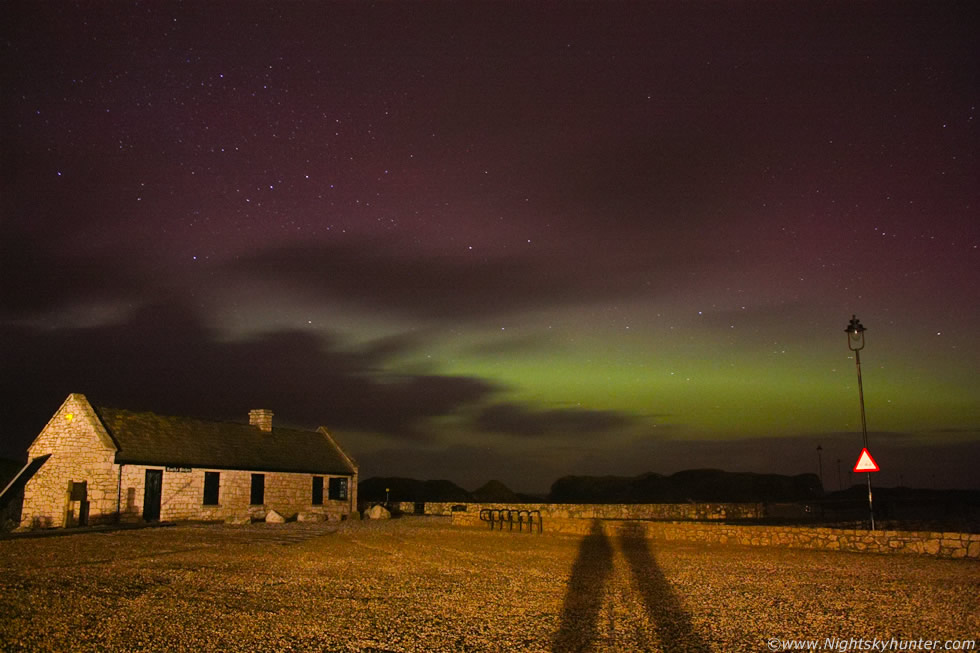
(418, 584)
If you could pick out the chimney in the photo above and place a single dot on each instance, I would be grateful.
(262, 418)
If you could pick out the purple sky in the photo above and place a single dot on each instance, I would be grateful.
(501, 240)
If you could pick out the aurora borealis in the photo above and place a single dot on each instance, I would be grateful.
(509, 241)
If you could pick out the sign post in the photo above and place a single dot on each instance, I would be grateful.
(865, 463)
(855, 342)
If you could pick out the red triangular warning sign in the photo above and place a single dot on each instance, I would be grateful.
(865, 463)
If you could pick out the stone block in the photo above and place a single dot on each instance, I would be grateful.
(273, 517)
(311, 517)
(377, 512)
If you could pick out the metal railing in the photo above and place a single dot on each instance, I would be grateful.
(498, 517)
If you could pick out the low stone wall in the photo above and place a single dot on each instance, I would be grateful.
(560, 512)
(929, 543)
(437, 508)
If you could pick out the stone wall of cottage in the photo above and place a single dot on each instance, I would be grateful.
(80, 451)
(182, 495)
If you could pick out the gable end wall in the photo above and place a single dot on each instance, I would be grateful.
(80, 451)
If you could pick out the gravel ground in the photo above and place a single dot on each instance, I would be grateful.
(417, 584)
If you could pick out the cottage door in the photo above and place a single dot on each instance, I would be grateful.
(151, 494)
(77, 492)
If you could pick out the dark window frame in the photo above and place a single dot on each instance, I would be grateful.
(256, 496)
(317, 499)
(339, 488)
(212, 488)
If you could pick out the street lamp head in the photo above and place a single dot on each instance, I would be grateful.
(855, 334)
(855, 325)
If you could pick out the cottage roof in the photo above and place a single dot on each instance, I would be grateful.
(151, 439)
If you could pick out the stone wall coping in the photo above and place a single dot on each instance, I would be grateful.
(947, 535)
(947, 544)
(829, 530)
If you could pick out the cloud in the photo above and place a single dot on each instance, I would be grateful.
(165, 360)
(380, 275)
(38, 278)
(969, 431)
(520, 420)
(510, 346)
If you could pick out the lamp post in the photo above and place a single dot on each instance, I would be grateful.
(855, 342)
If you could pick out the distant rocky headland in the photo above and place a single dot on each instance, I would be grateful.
(699, 485)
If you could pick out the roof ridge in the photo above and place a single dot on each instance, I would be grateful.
(203, 420)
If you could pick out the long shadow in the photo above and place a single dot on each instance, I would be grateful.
(583, 600)
(666, 614)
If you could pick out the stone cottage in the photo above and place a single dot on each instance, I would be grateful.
(94, 465)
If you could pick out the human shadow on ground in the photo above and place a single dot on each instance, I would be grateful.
(583, 600)
(668, 617)
(579, 630)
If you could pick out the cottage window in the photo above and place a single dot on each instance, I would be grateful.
(338, 489)
(258, 490)
(212, 480)
(317, 490)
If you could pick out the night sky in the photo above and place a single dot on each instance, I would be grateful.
(511, 241)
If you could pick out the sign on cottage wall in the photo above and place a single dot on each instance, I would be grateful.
(180, 470)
